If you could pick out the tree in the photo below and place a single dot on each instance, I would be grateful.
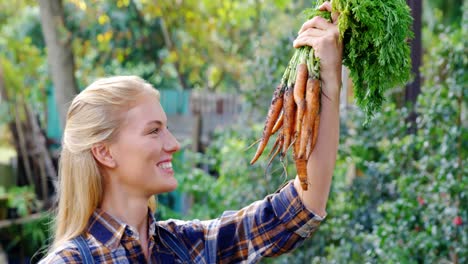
(59, 54)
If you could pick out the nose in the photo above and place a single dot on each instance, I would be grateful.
(171, 144)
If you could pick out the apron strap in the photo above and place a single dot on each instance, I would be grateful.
(85, 252)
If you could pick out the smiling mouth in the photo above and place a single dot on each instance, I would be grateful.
(167, 165)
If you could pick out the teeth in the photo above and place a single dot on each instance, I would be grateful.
(165, 165)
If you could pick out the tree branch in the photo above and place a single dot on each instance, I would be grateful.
(59, 54)
(170, 46)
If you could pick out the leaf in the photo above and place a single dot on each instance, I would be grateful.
(281, 4)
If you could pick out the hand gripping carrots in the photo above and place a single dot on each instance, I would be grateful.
(294, 112)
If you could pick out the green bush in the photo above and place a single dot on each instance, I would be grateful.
(424, 223)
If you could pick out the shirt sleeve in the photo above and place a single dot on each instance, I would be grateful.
(267, 228)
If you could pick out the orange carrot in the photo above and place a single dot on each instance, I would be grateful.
(307, 125)
(278, 149)
(315, 133)
(299, 158)
(276, 145)
(273, 113)
(278, 124)
(306, 132)
(299, 94)
(297, 145)
(314, 106)
(289, 109)
(316, 109)
(301, 167)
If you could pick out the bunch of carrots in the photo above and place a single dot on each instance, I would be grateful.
(374, 34)
(294, 112)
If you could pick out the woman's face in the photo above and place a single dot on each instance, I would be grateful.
(143, 150)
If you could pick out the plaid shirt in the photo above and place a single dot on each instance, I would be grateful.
(266, 228)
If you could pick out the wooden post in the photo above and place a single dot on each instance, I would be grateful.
(197, 132)
(47, 169)
(413, 89)
(23, 148)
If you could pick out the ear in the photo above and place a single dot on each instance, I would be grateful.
(103, 155)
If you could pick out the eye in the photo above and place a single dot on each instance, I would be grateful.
(155, 131)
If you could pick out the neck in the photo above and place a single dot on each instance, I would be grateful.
(127, 207)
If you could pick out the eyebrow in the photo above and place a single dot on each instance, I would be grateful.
(158, 122)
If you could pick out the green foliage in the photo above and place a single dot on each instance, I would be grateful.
(27, 239)
(375, 36)
(22, 199)
(183, 44)
(312, 12)
(442, 13)
(112, 37)
(23, 66)
(433, 184)
(215, 41)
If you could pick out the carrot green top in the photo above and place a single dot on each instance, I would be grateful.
(375, 35)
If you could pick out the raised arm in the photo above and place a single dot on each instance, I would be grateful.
(324, 38)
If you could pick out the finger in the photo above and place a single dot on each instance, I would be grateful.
(316, 22)
(304, 41)
(334, 17)
(312, 32)
(328, 7)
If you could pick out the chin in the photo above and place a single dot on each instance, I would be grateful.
(173, 186)
(166, 186)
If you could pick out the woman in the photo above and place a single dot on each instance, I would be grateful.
(117, 154)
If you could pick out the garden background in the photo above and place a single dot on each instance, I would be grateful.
(400, 188)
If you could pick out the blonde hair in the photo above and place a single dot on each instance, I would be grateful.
(94, 116)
